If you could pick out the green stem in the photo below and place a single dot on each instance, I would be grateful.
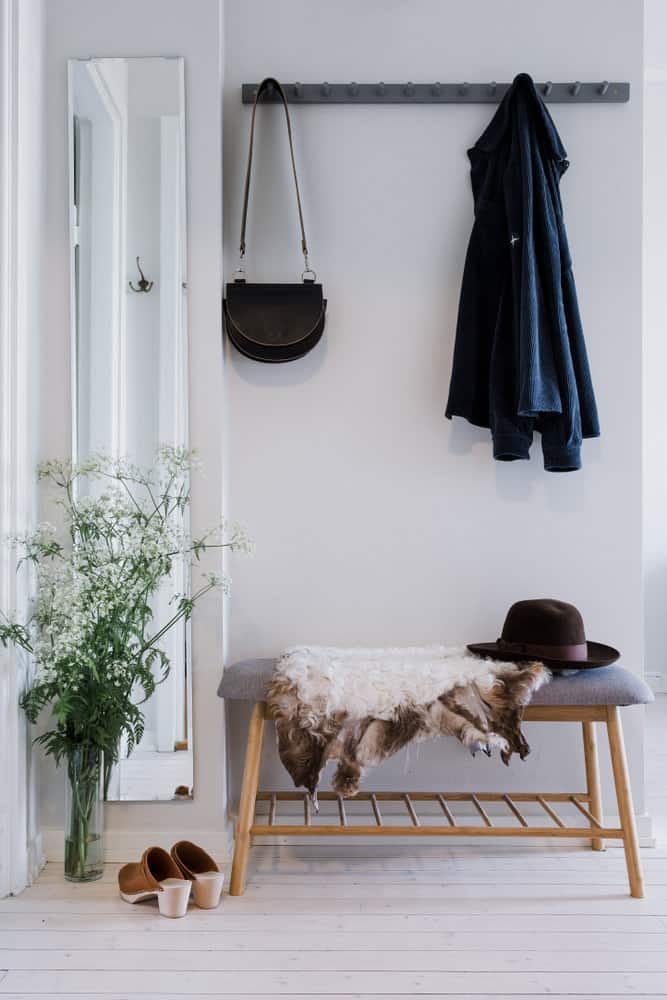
(177, 617)
(83, 771)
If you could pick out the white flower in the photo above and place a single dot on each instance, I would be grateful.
(92, 615)
(240, 541)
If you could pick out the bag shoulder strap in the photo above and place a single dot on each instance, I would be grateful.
(264, 85)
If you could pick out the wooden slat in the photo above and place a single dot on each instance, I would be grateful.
(575, 832)
(546, 713)
(411, 809)
(549, 811)
(475, 801)
(565, 713)
(445, 808)
(431, 796)
(306, 810)
(376, 809)
(586, 812)
(272, 809)
(341, 812)
(517, 812)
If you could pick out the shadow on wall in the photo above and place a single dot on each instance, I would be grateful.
(465, 439)
(284, 374)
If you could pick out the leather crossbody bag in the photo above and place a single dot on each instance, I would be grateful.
(274, 322)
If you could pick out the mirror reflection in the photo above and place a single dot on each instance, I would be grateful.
(129, 332)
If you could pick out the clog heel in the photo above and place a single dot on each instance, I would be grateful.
(198, 866)
(156, 876)
(172, 899)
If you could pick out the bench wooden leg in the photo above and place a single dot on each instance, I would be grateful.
(593, 778)
(253, 758)
(624, 799)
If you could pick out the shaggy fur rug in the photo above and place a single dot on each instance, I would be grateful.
(360, 706)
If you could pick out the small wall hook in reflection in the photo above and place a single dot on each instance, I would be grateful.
(144, 284)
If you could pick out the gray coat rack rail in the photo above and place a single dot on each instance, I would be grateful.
(602, 92)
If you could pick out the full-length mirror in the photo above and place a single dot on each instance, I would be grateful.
(129, 333)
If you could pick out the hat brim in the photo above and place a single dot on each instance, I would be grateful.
(599, 655)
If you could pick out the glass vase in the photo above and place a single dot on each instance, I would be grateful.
(84, 843)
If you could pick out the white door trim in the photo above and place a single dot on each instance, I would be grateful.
(20, 57)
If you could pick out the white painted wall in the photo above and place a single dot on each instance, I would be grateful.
(655, 341)
(78, 29)
(376, 520)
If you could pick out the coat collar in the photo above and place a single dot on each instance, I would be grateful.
(521, 92)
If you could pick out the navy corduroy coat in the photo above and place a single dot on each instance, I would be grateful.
(520, 360)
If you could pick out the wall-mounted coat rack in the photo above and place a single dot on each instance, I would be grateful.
(602, 92)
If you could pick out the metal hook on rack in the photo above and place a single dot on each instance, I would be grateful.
(409, 89)
(493, 86)
(548, 87)
(575, 88)
(603, 88)
(353, 89)
(326, 89)
(382, 90)
(144, 284)
(463, 89)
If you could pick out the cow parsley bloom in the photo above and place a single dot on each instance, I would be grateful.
(97, 647)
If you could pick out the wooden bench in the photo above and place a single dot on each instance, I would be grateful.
(587, 697)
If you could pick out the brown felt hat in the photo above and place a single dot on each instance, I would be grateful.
(549, 631)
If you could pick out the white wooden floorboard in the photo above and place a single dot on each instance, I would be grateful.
(581, 959)
(293, 984)
(334, 996)
(341, 921)
(225, 941)
(439, 897)
(633, 923)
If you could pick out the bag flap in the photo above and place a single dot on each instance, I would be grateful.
(274, 314)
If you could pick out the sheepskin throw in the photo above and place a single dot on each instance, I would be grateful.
(360, 706)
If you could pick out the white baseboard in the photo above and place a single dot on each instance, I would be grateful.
(644, 830)
(128, 845)
(36, 858)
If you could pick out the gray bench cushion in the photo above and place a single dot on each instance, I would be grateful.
(248, 680)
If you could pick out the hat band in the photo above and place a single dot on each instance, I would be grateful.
(574, 652)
